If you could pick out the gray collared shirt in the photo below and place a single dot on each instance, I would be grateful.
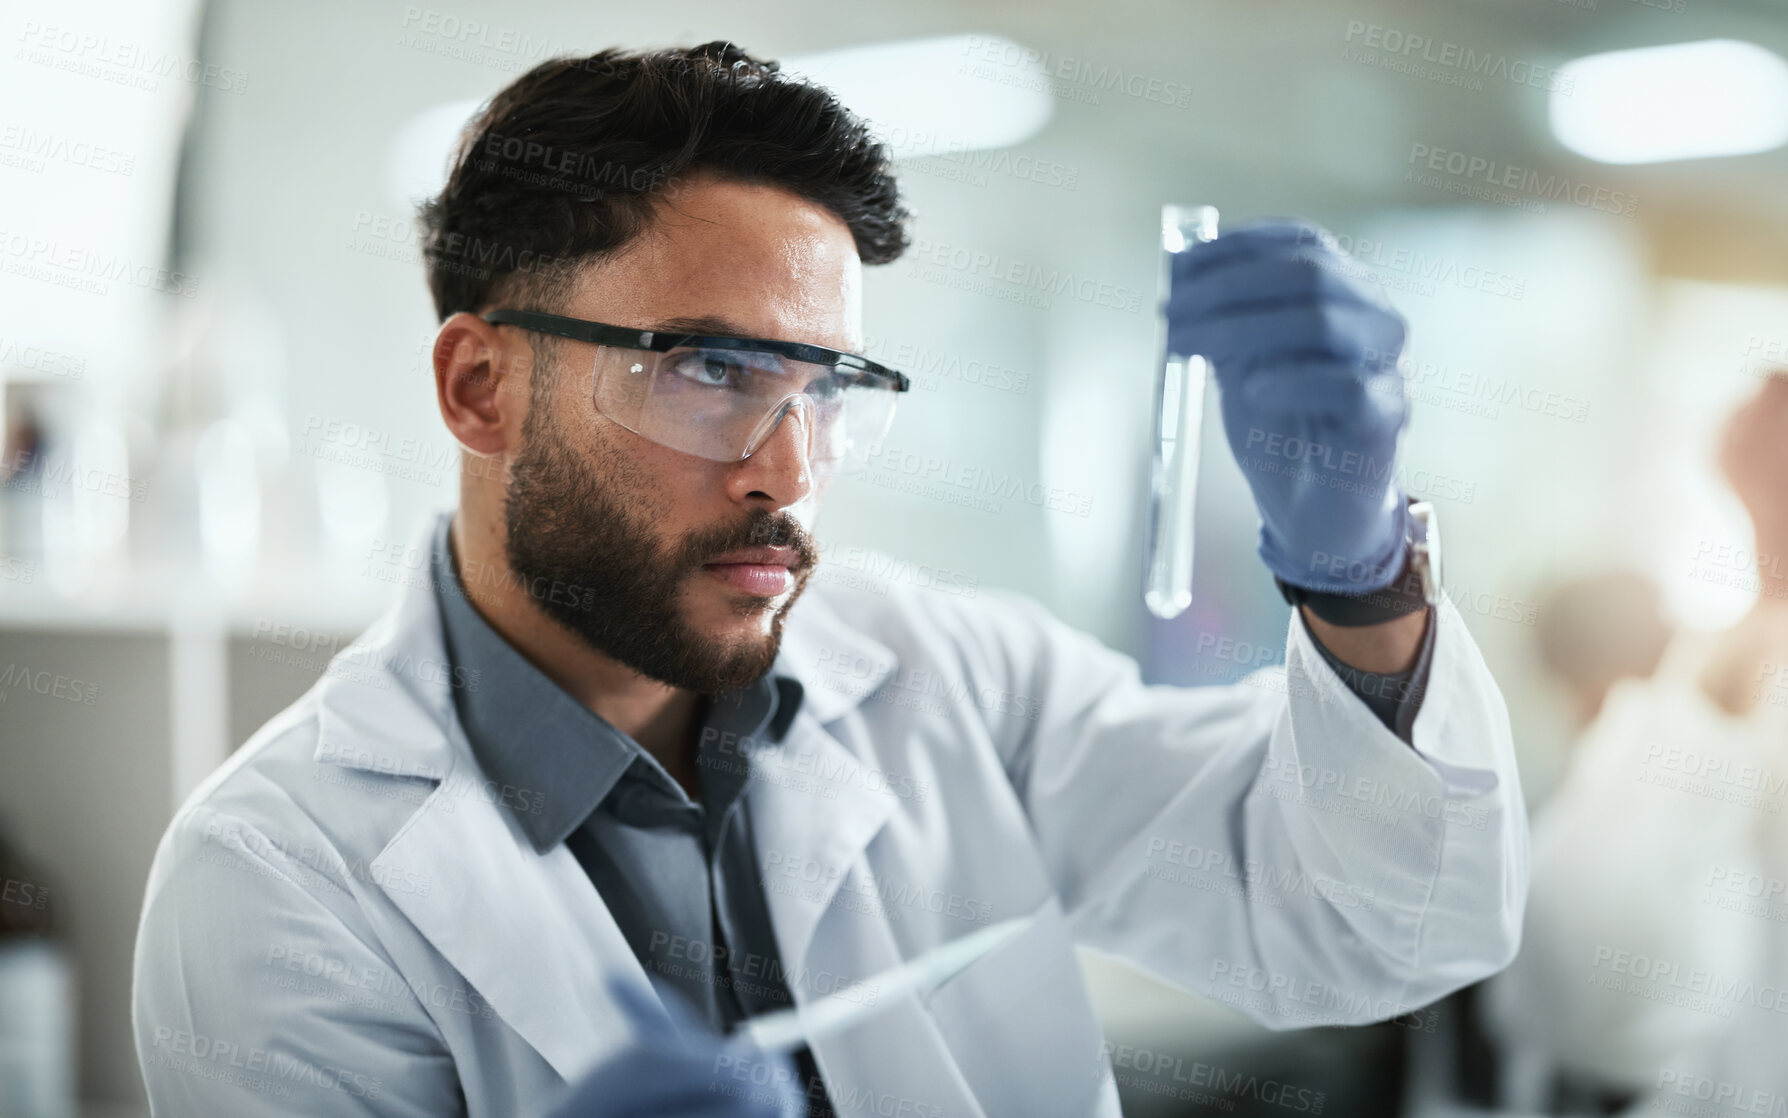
(679, 876)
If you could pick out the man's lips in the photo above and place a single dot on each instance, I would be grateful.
(765, 556)
(765, 571)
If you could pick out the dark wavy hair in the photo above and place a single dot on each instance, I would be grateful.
(563, 166)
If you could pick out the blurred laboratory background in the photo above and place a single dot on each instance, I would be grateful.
(219, 413)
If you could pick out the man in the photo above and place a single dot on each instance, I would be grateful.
(599, 743)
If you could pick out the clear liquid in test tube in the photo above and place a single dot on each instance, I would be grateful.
(1179, 419)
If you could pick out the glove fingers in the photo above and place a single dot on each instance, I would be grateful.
(1256, 238)
(1298, 276)
(1310, 402)
(1346, 332)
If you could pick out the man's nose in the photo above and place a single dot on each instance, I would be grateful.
(781, 468)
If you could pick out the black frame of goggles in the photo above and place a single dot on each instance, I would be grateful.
(626, 337)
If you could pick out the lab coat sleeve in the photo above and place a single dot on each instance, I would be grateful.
(1267, 843)
(253, 995)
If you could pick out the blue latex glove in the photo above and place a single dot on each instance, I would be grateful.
(683, 1069)
(1304, 347)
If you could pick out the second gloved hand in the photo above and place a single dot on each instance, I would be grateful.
(1304, 347)
(680, 1068)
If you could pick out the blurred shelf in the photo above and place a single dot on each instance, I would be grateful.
(169, 597)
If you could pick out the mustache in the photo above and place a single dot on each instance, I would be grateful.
(767, 530)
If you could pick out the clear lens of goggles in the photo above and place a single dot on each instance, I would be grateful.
(722, 404)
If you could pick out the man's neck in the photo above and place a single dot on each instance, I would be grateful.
(664, 720)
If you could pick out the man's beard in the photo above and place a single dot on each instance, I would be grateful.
(567, 532)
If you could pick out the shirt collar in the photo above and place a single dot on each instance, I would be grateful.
(550, 759)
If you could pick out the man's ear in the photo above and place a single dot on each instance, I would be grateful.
(481, 383)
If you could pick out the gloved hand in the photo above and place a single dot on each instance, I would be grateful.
(1304, 347)
(683, 1069)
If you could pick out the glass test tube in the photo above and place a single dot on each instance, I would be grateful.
(1179, 419)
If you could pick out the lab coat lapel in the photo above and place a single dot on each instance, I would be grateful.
(811, 836)
(812, 810)
(816, 809)
(812, 816)
(527, 930)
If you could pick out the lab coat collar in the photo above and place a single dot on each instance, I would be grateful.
(386, 700)
(837, 665)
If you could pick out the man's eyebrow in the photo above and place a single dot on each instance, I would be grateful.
(701, 324)
(710, 324)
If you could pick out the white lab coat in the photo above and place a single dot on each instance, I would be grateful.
(344, 919)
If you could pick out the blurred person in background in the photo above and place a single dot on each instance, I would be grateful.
(1653, 973)
(1594, 631)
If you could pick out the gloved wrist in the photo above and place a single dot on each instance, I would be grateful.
(1361, 564)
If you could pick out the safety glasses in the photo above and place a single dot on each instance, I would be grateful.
(720, 398)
